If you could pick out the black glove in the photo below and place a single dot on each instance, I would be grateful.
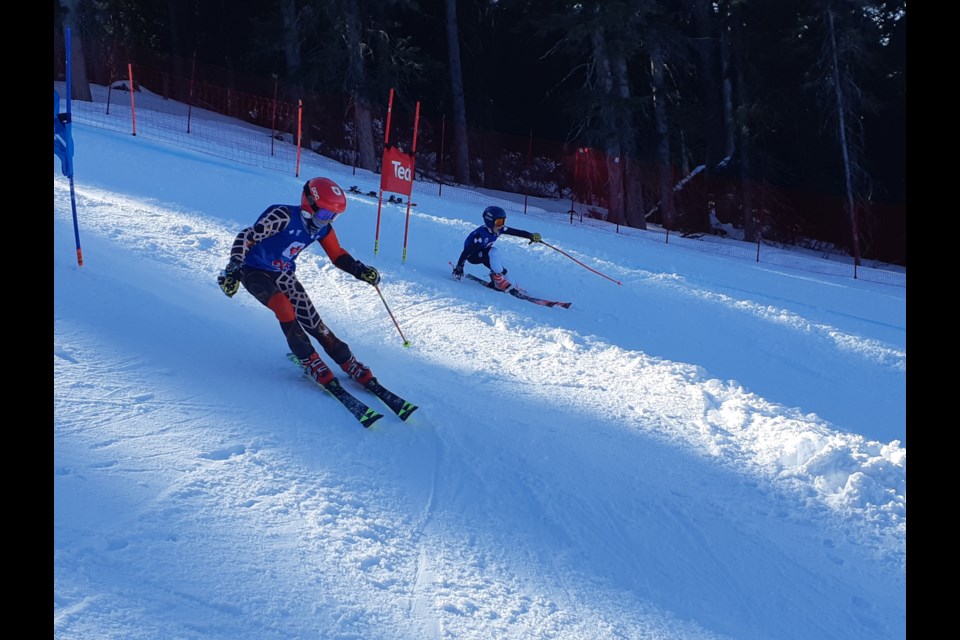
(234, 269)
(368, 274)
(229, 278)
(458, 272)
(228, 284)
(535, 237)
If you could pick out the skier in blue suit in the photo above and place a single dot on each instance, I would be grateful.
(479, 247)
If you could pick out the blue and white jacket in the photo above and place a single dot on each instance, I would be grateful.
(482, 239)
(278, 236)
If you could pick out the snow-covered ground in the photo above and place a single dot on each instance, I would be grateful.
(713, 449)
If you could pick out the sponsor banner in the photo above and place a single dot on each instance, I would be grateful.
(396, 175)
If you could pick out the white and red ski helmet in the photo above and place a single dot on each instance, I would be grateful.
(322, 201)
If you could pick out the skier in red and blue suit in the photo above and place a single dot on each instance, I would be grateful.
(263, 259)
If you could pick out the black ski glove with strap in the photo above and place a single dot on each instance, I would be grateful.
(369, 274)
(357, 269)
(229, 278)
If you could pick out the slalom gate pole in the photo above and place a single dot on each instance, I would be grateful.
(580, 263)
(406, 342)
(413, 175)
(376, 236)
(69, 136)
(133, 105)
(386, 141)
(76, 225)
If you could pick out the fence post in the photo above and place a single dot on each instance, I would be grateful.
(526, 183)
(133, 110)
(273, 122)
(760, 222)
(443, 129)
(299, 134)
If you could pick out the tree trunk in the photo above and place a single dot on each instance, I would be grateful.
(744, 147)
(707, 49)
(634, 208)
(357, 85)
(616, 129)
(607, 116)
(624, 129)
(726, 82)
(663, 134)
(461, 149)
(291, 54)
(841, 108)
(729, 195)
(179, 72)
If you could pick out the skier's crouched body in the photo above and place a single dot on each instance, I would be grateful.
(479, 247)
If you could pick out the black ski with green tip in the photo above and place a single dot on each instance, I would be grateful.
(398, 405)
(519, 294)
(364, 414)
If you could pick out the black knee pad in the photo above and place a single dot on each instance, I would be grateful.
(297, 339)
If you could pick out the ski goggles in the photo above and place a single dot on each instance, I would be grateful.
(321, 216)
(499, 222)
(318, 214)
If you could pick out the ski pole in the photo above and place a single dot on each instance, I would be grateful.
(406, 342)
(580, 263)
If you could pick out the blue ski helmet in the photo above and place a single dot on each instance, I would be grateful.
(491, 215)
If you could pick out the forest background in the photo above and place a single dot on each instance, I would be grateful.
(786, 119)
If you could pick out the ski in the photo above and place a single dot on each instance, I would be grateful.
(364, 414)
(398, 405)
(519, 294)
